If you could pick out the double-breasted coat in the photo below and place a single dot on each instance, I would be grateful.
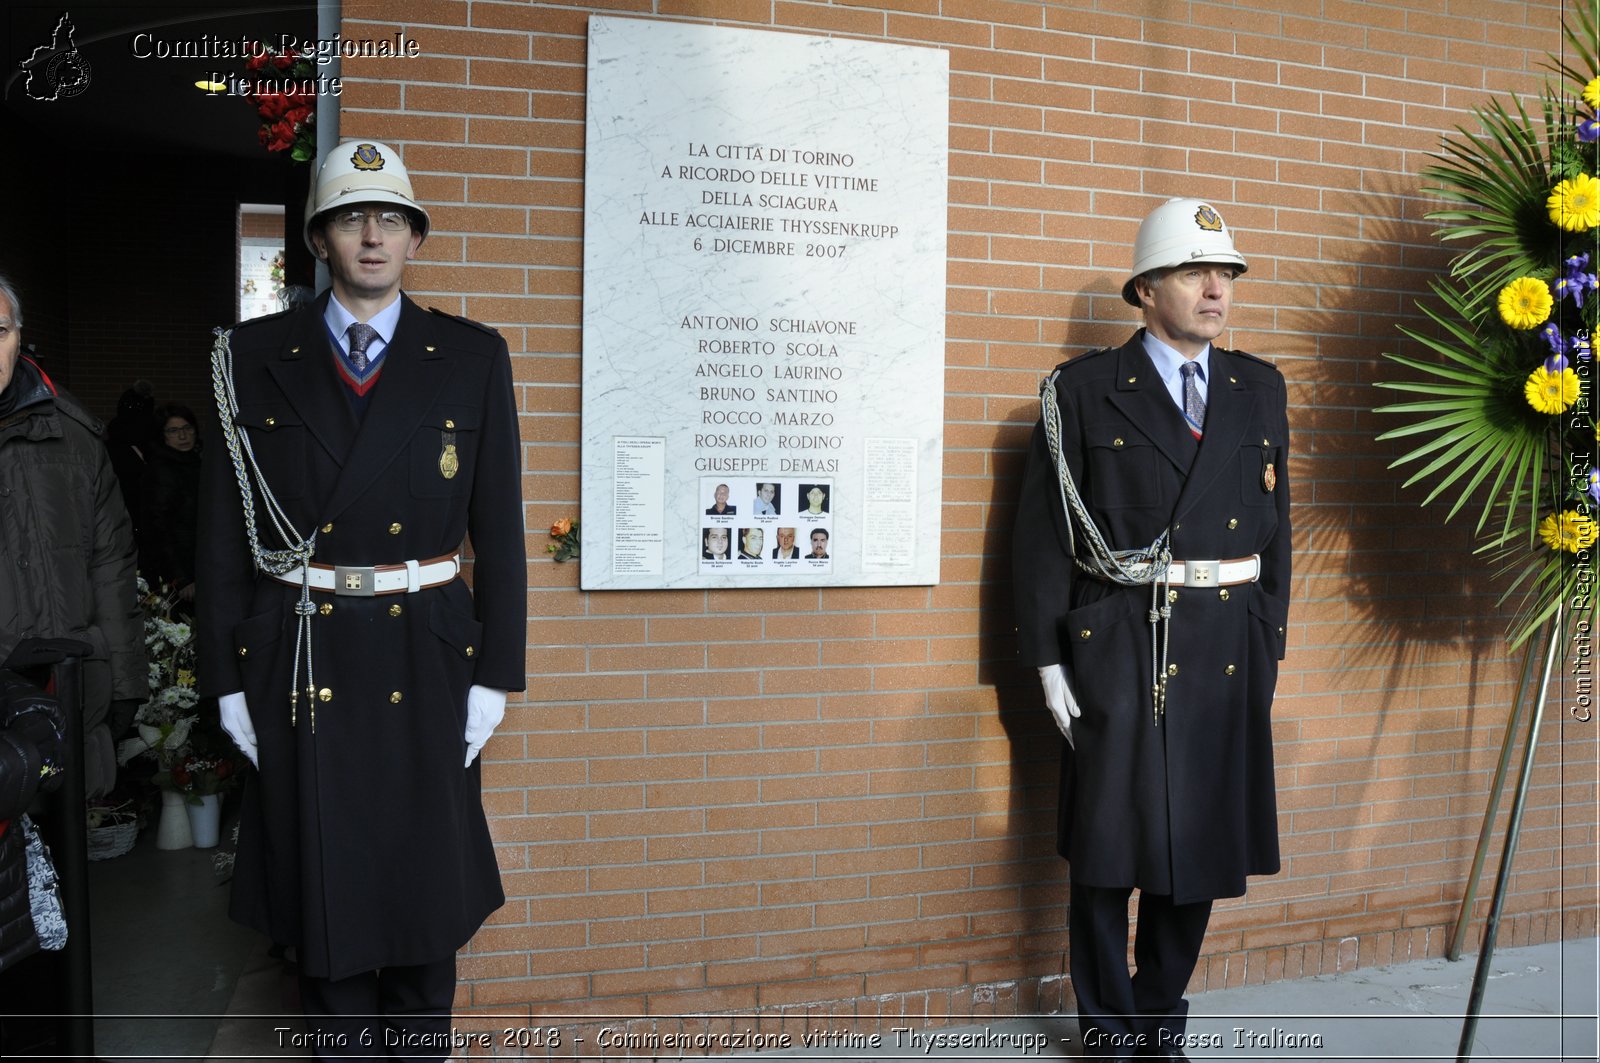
(1185, 807)
(363, 840)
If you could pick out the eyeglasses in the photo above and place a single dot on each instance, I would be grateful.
(354, 221)
(183, 430)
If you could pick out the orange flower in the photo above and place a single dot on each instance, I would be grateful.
(561, 527)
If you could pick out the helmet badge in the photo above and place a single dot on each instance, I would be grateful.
(367, 157)
(1208, 219)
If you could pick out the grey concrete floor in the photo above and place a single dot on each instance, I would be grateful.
(166, 956)
(1539, 1005)
(175, 979)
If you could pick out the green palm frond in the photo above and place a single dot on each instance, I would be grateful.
(1540, 582)
(1480, 427)
(1580, 61)
(1470, 418)
(1499, 178)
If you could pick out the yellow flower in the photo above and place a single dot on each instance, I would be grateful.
(1575, 204)
(1570, 531)
(1591, 94)
(1550, 392)
(185, 677)
(1525, 303)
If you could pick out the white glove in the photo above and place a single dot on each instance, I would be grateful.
(1058, 698)
(236, 721)
(486, 707)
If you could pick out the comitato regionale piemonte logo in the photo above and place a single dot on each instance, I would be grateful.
(58, 70)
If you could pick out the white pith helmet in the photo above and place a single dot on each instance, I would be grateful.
(1178, 232)
(361, 171)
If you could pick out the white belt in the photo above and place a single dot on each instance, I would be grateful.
(364, 581)
(1215, 573)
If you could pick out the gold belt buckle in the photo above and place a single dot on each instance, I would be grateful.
(354, 581)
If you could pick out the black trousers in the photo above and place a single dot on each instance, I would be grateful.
(393, 1013)
(1123, 1015)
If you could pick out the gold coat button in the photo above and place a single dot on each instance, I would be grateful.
(394, 529)
(326, 608)
(1223, 594)
(1085, 633)
(244, 651)
(1116, 442)
(1228, 670)
(448, 423)
(394, 698)
(469, 651)
(395, 610)
(326, 528)
(1233, 522)
(271, 421)
(1265, 443)
(324, 694)
(1172, 669)
(1133, 380)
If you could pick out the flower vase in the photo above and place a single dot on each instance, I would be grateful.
(172, 830)
(205, 820)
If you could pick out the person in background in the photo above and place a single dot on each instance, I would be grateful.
(67, 552)
(32, 731)
(170, 498)
(129, 436)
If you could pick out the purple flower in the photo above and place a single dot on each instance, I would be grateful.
(1557, 343)
(1593, 490)
(1555, 363)
(1577, 279)
(1589, 129)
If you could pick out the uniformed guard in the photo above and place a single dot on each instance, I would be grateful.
(361, 440)
(1151, 565)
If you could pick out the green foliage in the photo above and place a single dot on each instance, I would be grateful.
(1475, 433)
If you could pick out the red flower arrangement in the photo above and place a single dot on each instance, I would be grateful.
(284, 91)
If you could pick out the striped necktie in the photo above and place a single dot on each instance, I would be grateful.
(1194, 407)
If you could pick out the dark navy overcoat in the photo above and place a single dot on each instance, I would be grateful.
(1185, 807)
(364, 841)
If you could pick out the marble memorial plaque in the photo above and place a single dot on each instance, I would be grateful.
(763, 308)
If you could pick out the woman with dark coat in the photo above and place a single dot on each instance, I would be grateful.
(170, 498)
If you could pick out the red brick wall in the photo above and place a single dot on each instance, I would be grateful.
(715, 801)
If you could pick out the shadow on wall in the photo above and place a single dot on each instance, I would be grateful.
(1399, 641)
(1036, 744)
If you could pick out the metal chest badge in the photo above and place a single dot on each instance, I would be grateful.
(449, 463)
(1269, 477)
